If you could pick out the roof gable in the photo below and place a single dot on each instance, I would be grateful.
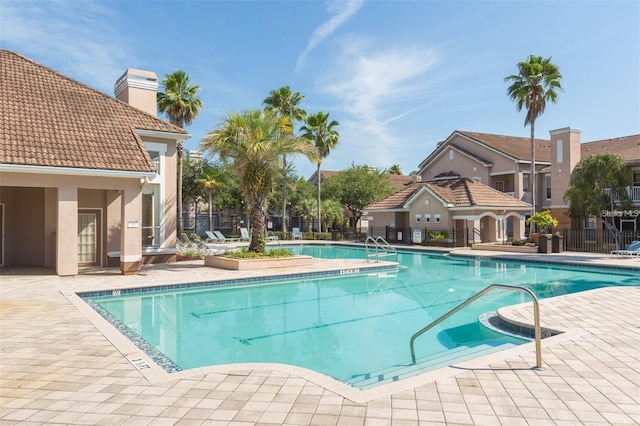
(457, 192)
(51, 120)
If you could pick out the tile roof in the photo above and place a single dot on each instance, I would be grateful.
(459, 192)
(513, 146)
(627, 146)
(49, 119)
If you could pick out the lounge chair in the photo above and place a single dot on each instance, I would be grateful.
(271, 236)
(296, 234)
(211, 237)
(223, 239)
(633, 249)
(244, 234)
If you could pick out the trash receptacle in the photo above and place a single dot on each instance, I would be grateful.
(544, 243)
(556, 244)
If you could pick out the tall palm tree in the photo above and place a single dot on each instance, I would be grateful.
(180, 102)
(321, 132)
(286, 103)
(537, 81)
(254, 140)
(209, 181)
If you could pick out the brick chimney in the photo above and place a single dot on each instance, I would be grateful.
(139, 89)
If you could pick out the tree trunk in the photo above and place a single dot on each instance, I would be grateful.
(284, 193)
(319, 183)
(180, 150)
(532, 175)
(210, 211)
(257, 206)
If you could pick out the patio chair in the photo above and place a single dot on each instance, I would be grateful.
(271, 236)
(223, 239)
(296, 234)
(211, 236)
(633, 249)
(244, 234)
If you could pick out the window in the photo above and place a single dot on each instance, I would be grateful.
(155, 157)
(477, 179)
(559, 151)
(437, 216)
(427, 218)
(418, 216)
(500, 186)
(150, 216)
(451, 154)
(548, 185)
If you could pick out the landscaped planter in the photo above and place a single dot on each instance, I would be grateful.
(252, 264)
(504, 247)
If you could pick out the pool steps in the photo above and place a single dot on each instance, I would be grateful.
(424, 364)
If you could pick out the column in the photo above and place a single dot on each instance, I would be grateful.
(131, 231)
(66, 256)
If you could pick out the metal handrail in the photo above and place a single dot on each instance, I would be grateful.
(536, 313)
(378, 246)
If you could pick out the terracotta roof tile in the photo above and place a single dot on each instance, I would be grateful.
(514, 146)
(627, 146)
(49, 119)
(459, 192)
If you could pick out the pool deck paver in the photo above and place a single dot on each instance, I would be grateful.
(59, 364)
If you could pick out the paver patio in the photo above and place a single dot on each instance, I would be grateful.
(60, 365)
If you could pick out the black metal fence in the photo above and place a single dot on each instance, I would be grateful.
(597, 241)
(442, 237)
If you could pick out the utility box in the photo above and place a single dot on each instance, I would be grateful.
(417, 236)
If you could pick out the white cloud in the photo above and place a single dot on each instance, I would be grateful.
(378, 90)
(78, 39)
(342, 11)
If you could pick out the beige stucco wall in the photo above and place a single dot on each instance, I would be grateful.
(42, 210)
(23, 225)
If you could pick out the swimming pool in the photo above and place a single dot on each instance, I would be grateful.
(354, 328)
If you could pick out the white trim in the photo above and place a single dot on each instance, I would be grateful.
(559, 206)
(507, 172)
(165, 135)
(526, 209)
(160, 179)
(68, 171)
(131, 258)
(565, 130)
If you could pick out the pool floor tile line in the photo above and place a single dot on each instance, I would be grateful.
(52, 353)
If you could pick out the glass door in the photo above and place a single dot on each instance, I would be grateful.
(87, 238)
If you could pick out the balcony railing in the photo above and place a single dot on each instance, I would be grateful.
(632, 191)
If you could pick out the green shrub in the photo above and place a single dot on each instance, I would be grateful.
(245, 254)
(437, 235)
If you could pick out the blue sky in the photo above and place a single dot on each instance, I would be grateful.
(399, 76)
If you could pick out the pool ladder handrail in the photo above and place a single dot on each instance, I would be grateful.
(382, 248)
(536, 314)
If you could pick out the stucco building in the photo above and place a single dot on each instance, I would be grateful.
(503, 163)
(85, 179)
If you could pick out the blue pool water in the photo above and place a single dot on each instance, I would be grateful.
(355, 328)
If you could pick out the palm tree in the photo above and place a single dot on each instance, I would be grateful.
(285, 103)
(394, 170)
(319, 130)
(181, 103)
(332, 212)
(209, 181)
(537, 81)
(254, 140)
